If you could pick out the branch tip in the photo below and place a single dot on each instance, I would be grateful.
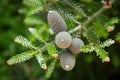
(107, 59)
(8, 62)
(45, 67)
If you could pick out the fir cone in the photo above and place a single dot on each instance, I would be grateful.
(75, 45)
(56, 22)
(63, 39)
(67, 61)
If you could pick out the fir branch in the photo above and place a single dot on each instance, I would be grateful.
(99, 29)
(35, 33)
(41, 60)
(118, 37)
(101, 53)
(79, 27)
(110, 25)
(67, 8)
(50, 69)
(23, 41)
(32, 20)
(73, 6)
(111, 22)
(107, 43)
(41, 49)
(99, 49)
(21, 57)
(52, 50)
(65, 14)
(92, 37)
(44, 47)
(91, 18)
(87, 49)
(48, 58)
(30, 3)
(35, 9)
(34, 6)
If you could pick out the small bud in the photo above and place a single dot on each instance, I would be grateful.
(110, 28)
(8, 62)
(55, 55)
(16, 40)
(84, 34)
(107, 3)
(75, 46)
(91, 44)
(45, 67)
(31, 29)
(107, 59)
(63, 40)
(67, 61)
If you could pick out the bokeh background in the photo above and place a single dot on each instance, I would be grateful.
(88, 67)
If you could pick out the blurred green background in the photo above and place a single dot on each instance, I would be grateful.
(88, 66)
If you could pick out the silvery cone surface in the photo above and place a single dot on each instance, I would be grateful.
(56, 22)
(75, 45)
(63, 39)
(67, 61)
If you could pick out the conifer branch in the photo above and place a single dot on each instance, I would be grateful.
(25, 42)
(41, 60)
(118, 37)
(107, 43)
(50, 68)
(52, 50)
(91, 18)
(92, 37)
(35, 33)
(50, 47)
(101, 53)
(21, 57)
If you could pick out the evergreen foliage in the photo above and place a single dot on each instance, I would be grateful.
(99, 49)
(92, 37)
(50, 69)
(21, 57)
(69, 10)
(23, 41)
(52, 50)
(41, 60)
(118, 37)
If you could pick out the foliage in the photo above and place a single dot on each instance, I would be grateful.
(41, 60)
(40, 43)
(118, 37)
(21, 57)
(50, 69)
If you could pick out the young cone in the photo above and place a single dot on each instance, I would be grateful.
(63, 40)
(75, 45)
(56, 22)
(67, 61)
